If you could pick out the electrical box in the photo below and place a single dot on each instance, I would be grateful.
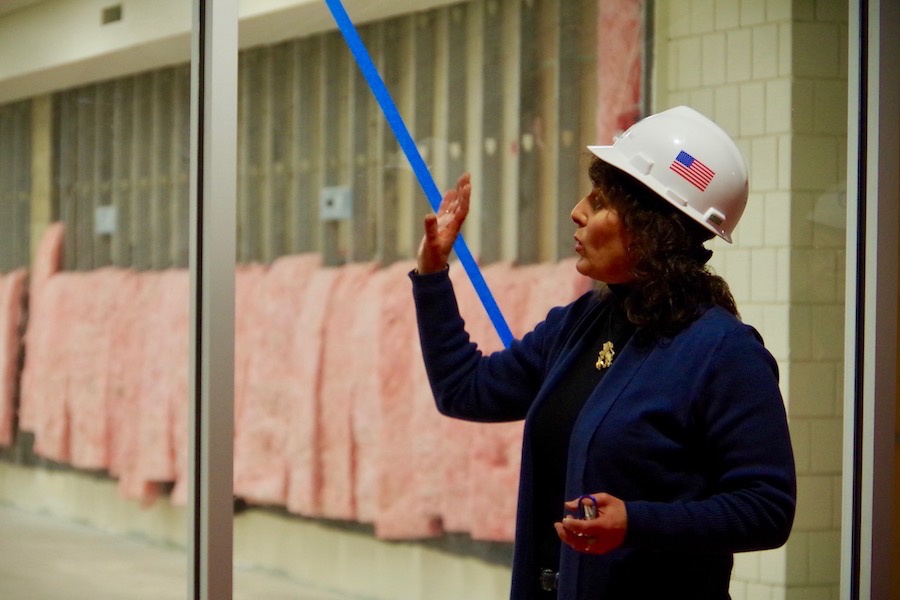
(336, 203)
(105, 220)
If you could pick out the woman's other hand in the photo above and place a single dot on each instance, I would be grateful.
(599, 535)
(442, 228)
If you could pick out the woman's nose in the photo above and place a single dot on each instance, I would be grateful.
(577, 213)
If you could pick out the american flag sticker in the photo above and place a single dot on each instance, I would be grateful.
(693, 170)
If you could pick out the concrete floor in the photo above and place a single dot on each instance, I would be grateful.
(44, 558)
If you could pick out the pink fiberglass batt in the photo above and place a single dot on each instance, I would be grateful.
(403, 511)
(39, 333)
(304, 477)
(163, 398)
(261, 434)
(128, 347)
(173, 449)
(620, 53)
(48, 258)
(341, 359)
(365, 416)
(12, 308)
(91, 307)
(248, 332)
(47, 356)
(495, 451)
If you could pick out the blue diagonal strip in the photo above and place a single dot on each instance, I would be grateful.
(379, 90)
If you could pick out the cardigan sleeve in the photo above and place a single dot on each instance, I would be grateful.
(751, 504)
(467, 384)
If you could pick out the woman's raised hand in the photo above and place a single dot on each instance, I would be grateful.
(442, 228)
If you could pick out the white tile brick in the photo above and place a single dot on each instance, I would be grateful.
(750, 229)
(763, 167)
(828, 334)
(765, 51)
(815, 162)
(776, 330)
(673, 69)
(802, 223)
(737, 589)
(727, 111)
(778, 10)
(703, 16)
(746, 566)
(737, 272)
(679, 18)
(763, 262)
(714, 59)
(778, 106)
(801, 331)
(803, 117)
(785, 50)
(831, 107)
(703, 99)
(811, 592)
(777, 219)
(797, 550)
(680, 98)
(814, 276)
(773, 566)
(753, 12)
(824, 557)
(814, 503)
(739, 59)
(759, 591)
(690, 57)
(783, 276)
(753, 314)
(801, 440)
(837, 517)
(827, 439)
(805, 10)
(816, 50)
(728, 14)
(831, 10)
(785, 162)
(812, 389)
(829, 218)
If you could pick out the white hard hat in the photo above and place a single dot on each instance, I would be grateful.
(688, 160)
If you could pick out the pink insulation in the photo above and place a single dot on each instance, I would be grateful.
(129, 346)
(304, 377)
(12, 314)
(91, 304)
(334, 417)
(409, 421)
(270, 344)
(365, 414)
(46, 262)
(340, 359)
(619, 64)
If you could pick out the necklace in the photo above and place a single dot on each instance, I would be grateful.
(605, 357)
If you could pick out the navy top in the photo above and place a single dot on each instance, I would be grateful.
(690, 432)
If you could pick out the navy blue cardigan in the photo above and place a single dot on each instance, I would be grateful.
(690, 432)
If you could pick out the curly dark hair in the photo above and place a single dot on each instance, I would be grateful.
(672, 285)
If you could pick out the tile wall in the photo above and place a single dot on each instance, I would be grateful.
(773, 73)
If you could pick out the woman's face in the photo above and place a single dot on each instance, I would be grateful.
(601, 240)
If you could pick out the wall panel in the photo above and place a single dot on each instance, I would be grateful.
(497, 89)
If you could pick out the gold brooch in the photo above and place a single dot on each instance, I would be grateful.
(605, 358)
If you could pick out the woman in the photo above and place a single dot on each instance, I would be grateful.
(648, 399)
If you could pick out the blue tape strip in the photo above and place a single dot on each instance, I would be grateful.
(379, 89)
